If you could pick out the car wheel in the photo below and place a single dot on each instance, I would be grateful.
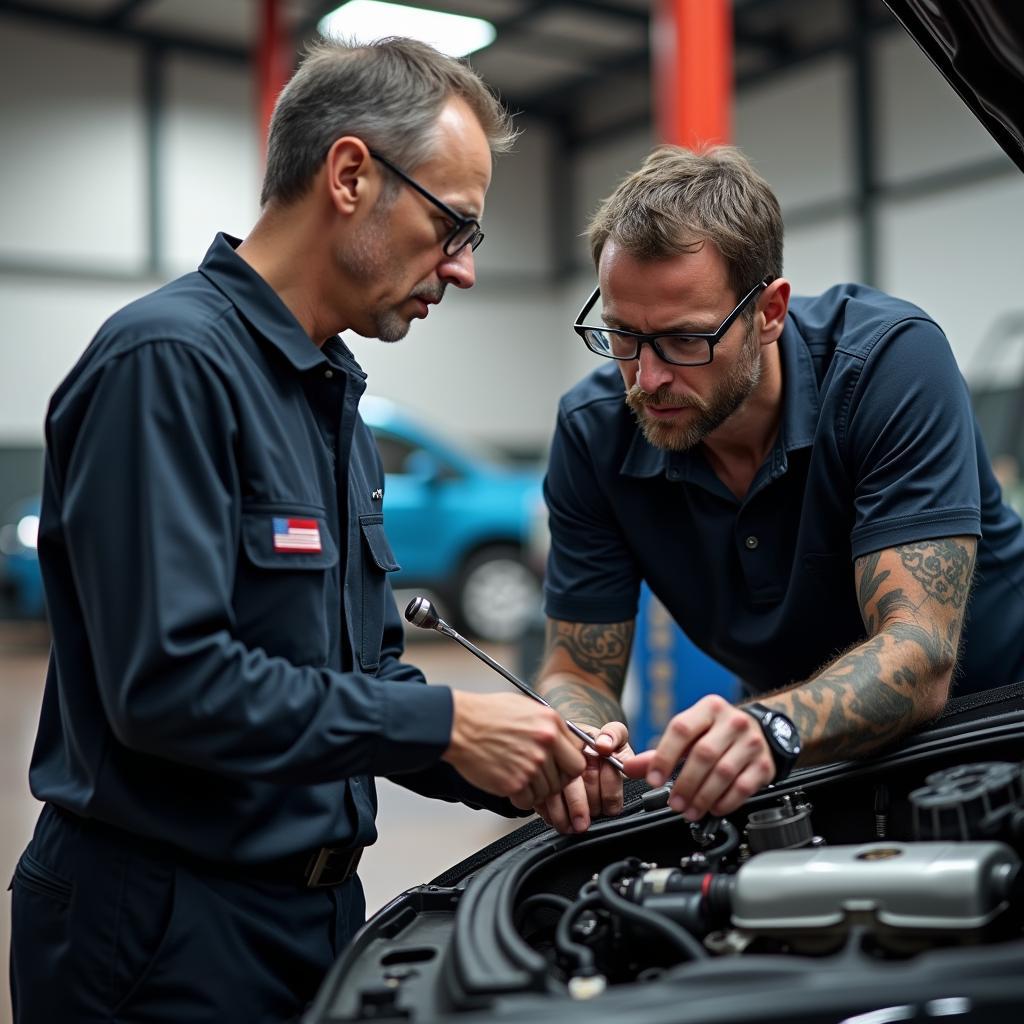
(498, 595)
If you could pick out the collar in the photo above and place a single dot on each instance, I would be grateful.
(801, 408)
(259, 304)
(801, 403)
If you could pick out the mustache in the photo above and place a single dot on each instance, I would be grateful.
(637, 398)
(429, 292)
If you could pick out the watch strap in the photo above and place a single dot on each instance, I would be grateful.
(783, 759)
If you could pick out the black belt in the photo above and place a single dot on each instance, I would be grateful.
(332, 865)
(316, 869)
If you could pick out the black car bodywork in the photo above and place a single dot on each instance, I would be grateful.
(889, 889)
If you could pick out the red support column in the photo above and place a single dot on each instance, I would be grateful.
(692, 44)
(274, 61)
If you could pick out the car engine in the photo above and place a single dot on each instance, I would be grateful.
(773, 886)
(864, 892)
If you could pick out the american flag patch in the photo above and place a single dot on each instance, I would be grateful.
(296, 535)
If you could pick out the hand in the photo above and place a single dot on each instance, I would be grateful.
(598, 791)
(510, 746)
(727, 759)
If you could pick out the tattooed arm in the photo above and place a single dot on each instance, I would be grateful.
(912, 599)
(582, 676)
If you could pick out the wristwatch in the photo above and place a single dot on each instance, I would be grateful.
(781, 735)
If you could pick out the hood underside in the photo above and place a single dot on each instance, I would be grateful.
(978, 45)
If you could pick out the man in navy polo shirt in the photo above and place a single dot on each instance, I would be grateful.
(800, 481)
(225, 679)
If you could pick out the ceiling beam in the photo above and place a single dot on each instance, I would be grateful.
(68, 19)
(121, 12)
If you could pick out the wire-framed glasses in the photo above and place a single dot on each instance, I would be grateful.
(465, 230)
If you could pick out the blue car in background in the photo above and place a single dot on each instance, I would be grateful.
(19, 561)
(459, 523)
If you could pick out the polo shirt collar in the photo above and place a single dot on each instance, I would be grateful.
(800, 412)
(801, 404)
(258, 303)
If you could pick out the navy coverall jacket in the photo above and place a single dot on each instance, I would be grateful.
(225, 672)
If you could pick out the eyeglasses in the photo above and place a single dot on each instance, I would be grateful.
(675, 347)
(465, 230)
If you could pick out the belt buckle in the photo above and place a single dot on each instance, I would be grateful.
(320, 864)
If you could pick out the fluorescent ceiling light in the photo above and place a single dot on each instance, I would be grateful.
(366, 20)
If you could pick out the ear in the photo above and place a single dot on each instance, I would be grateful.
(772, 307)
(352, 180)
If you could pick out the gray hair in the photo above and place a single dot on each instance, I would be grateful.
(389, 93)
(679, 199)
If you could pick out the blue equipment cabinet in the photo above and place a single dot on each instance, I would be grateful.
(671, 673)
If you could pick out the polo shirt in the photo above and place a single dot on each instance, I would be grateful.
(225, 673)
(877, 447)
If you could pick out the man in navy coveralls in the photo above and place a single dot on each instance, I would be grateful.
(800, 481)
(225, 680)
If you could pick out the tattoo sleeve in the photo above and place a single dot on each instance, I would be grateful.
(912, 600)
(585, 669)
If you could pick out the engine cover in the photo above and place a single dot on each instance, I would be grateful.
(934, 887)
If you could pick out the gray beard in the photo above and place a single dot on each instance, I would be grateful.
(711, 413)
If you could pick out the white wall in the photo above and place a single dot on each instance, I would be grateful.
(923, 126)
(796, 130)
(73, 153)
(74, 200)
(211, 158)
(961, 258)
(493, 361)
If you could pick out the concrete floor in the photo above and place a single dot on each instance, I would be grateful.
(419, 837)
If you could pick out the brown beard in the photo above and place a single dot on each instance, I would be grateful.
(709, 413)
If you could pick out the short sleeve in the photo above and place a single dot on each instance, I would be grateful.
(592, 575)
(910, 443)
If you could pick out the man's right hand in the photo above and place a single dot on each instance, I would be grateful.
(509, 745)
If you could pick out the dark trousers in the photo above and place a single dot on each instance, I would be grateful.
(104, 929)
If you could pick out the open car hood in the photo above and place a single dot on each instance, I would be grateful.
(978, 45)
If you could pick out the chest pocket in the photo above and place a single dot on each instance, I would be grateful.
(286, 584)
(378, 561)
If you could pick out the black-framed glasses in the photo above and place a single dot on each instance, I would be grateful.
(676, 347)
(465, 230)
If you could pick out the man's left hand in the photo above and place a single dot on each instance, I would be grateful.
(727, 759)
(598, 791)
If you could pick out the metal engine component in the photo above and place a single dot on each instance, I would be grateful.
(786, 827)
(943, 889)
(958, 802)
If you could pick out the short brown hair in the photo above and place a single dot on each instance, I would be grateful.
(389, 93)
(679, 199)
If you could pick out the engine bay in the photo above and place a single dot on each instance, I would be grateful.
(773, 886)
(846, 890)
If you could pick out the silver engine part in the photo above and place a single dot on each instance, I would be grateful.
(948, 889)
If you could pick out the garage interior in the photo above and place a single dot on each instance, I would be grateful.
(133, 131)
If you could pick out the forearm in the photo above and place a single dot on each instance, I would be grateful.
(870, 695)
(584, 670)
(586, 703)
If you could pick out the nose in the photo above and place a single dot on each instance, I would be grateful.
(459, 269)
(651, 371)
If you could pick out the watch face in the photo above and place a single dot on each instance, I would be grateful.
(785, 735)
